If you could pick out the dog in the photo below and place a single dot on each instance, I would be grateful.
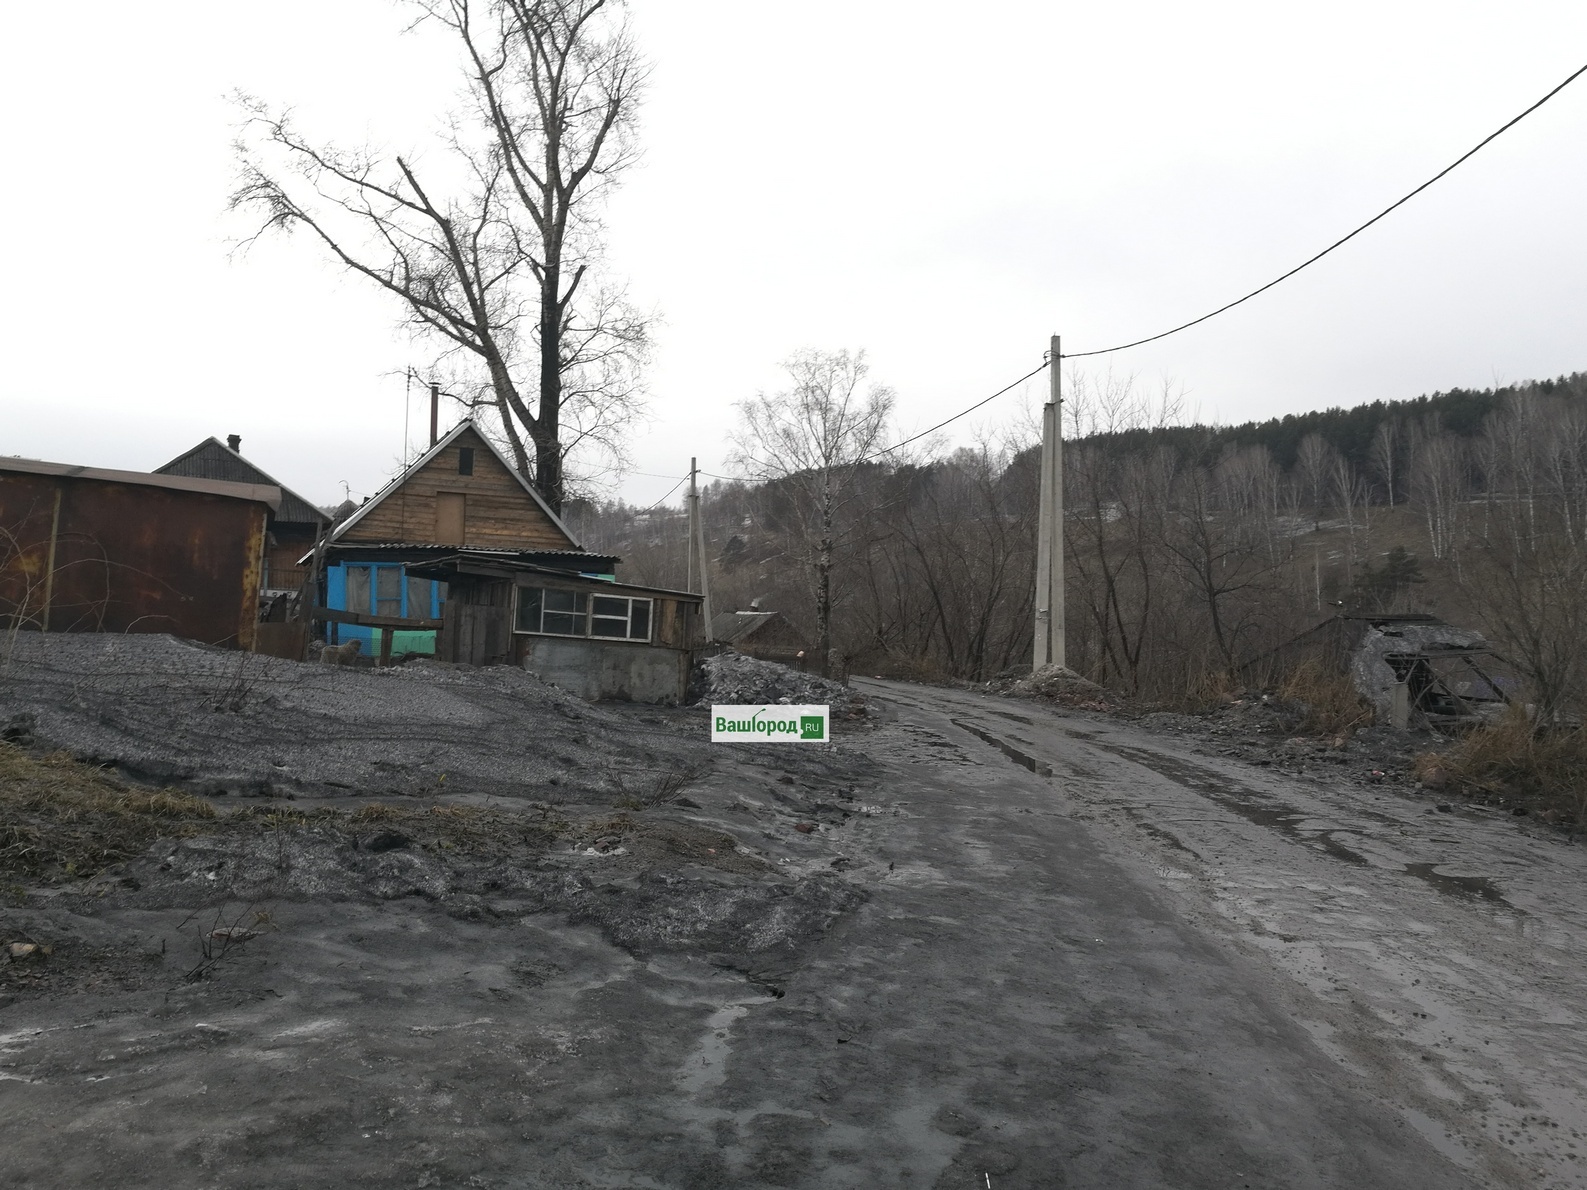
(340, 654)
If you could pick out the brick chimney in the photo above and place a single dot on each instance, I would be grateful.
(234, 441)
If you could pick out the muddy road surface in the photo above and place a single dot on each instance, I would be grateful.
(980, 944)
(1434, 951)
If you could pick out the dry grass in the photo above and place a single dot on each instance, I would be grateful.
(59, 817)
(1509, 759)
(1332, 705)
(62, 820)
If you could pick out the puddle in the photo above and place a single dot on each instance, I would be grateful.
(1040, 768)
(1017, 718)
(1460, 886)
(707, 1066)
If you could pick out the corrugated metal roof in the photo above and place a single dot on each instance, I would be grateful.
(260, 493)
(438, 567)
(429, 547)
(213, 459)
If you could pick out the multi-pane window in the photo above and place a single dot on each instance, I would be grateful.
(384, 590)
(620, 617)
(577, 613)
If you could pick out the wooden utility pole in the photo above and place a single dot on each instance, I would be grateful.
(1050, 524)
(697, 547)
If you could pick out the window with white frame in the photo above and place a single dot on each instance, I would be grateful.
(549, 612)
(620, 617)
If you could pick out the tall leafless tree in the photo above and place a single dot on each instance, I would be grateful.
(810, 442)
(493, 249)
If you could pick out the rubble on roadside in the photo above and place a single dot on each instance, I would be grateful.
(733, 679)
(1055, 684)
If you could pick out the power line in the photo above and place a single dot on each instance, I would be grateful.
(663, 500)
(1337, 243)
(887, 450)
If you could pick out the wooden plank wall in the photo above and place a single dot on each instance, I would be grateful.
(499, 514)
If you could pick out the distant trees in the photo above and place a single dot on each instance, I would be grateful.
(808, 444)
(1189, 555)
(492, 247)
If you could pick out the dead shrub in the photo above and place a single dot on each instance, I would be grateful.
(1512, 758)
(1328, 700)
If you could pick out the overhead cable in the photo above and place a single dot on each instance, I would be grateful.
(887, 450)
(1337, 243)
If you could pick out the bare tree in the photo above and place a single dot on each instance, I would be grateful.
(1315, 464)
(1439, 482)
(494, 249)
(809, 443)
(1385, 454)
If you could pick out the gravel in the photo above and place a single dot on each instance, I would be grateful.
(214, 721)
(733, 679)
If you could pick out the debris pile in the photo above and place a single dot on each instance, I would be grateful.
(1056, 683)
(733, 679)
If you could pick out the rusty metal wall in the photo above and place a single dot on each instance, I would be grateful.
(81, 555)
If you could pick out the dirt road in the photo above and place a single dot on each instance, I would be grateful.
(1068, 954)
(1435, 952)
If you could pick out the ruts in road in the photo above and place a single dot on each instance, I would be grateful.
(1369, 979)
(1061, 952)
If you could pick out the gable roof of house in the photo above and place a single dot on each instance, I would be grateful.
(424, 460)
(213, 459)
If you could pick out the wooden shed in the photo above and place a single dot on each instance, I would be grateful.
(83, 549)
(593, 636)
(770, 636)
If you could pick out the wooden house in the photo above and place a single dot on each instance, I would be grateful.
(585, 632)
(770, 636)
(461, 494)
(84, 549)
(292, 529)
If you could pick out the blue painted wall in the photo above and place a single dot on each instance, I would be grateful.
(402, 641)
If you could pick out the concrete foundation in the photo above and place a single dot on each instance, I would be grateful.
(596, 669)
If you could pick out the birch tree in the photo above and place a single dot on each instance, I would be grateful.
(809, 442)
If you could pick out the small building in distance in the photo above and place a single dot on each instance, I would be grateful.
(769, 636)
(293, 528)
(461, 494)
(85, 549)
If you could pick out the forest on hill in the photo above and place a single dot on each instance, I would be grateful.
(1190, 550)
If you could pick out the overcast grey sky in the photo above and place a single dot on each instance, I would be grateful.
(941, 184)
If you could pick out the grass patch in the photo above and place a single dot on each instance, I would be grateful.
(61, 818)
(1510, 760)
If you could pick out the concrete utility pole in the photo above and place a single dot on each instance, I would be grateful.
(697, 547)
(1050, 524)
